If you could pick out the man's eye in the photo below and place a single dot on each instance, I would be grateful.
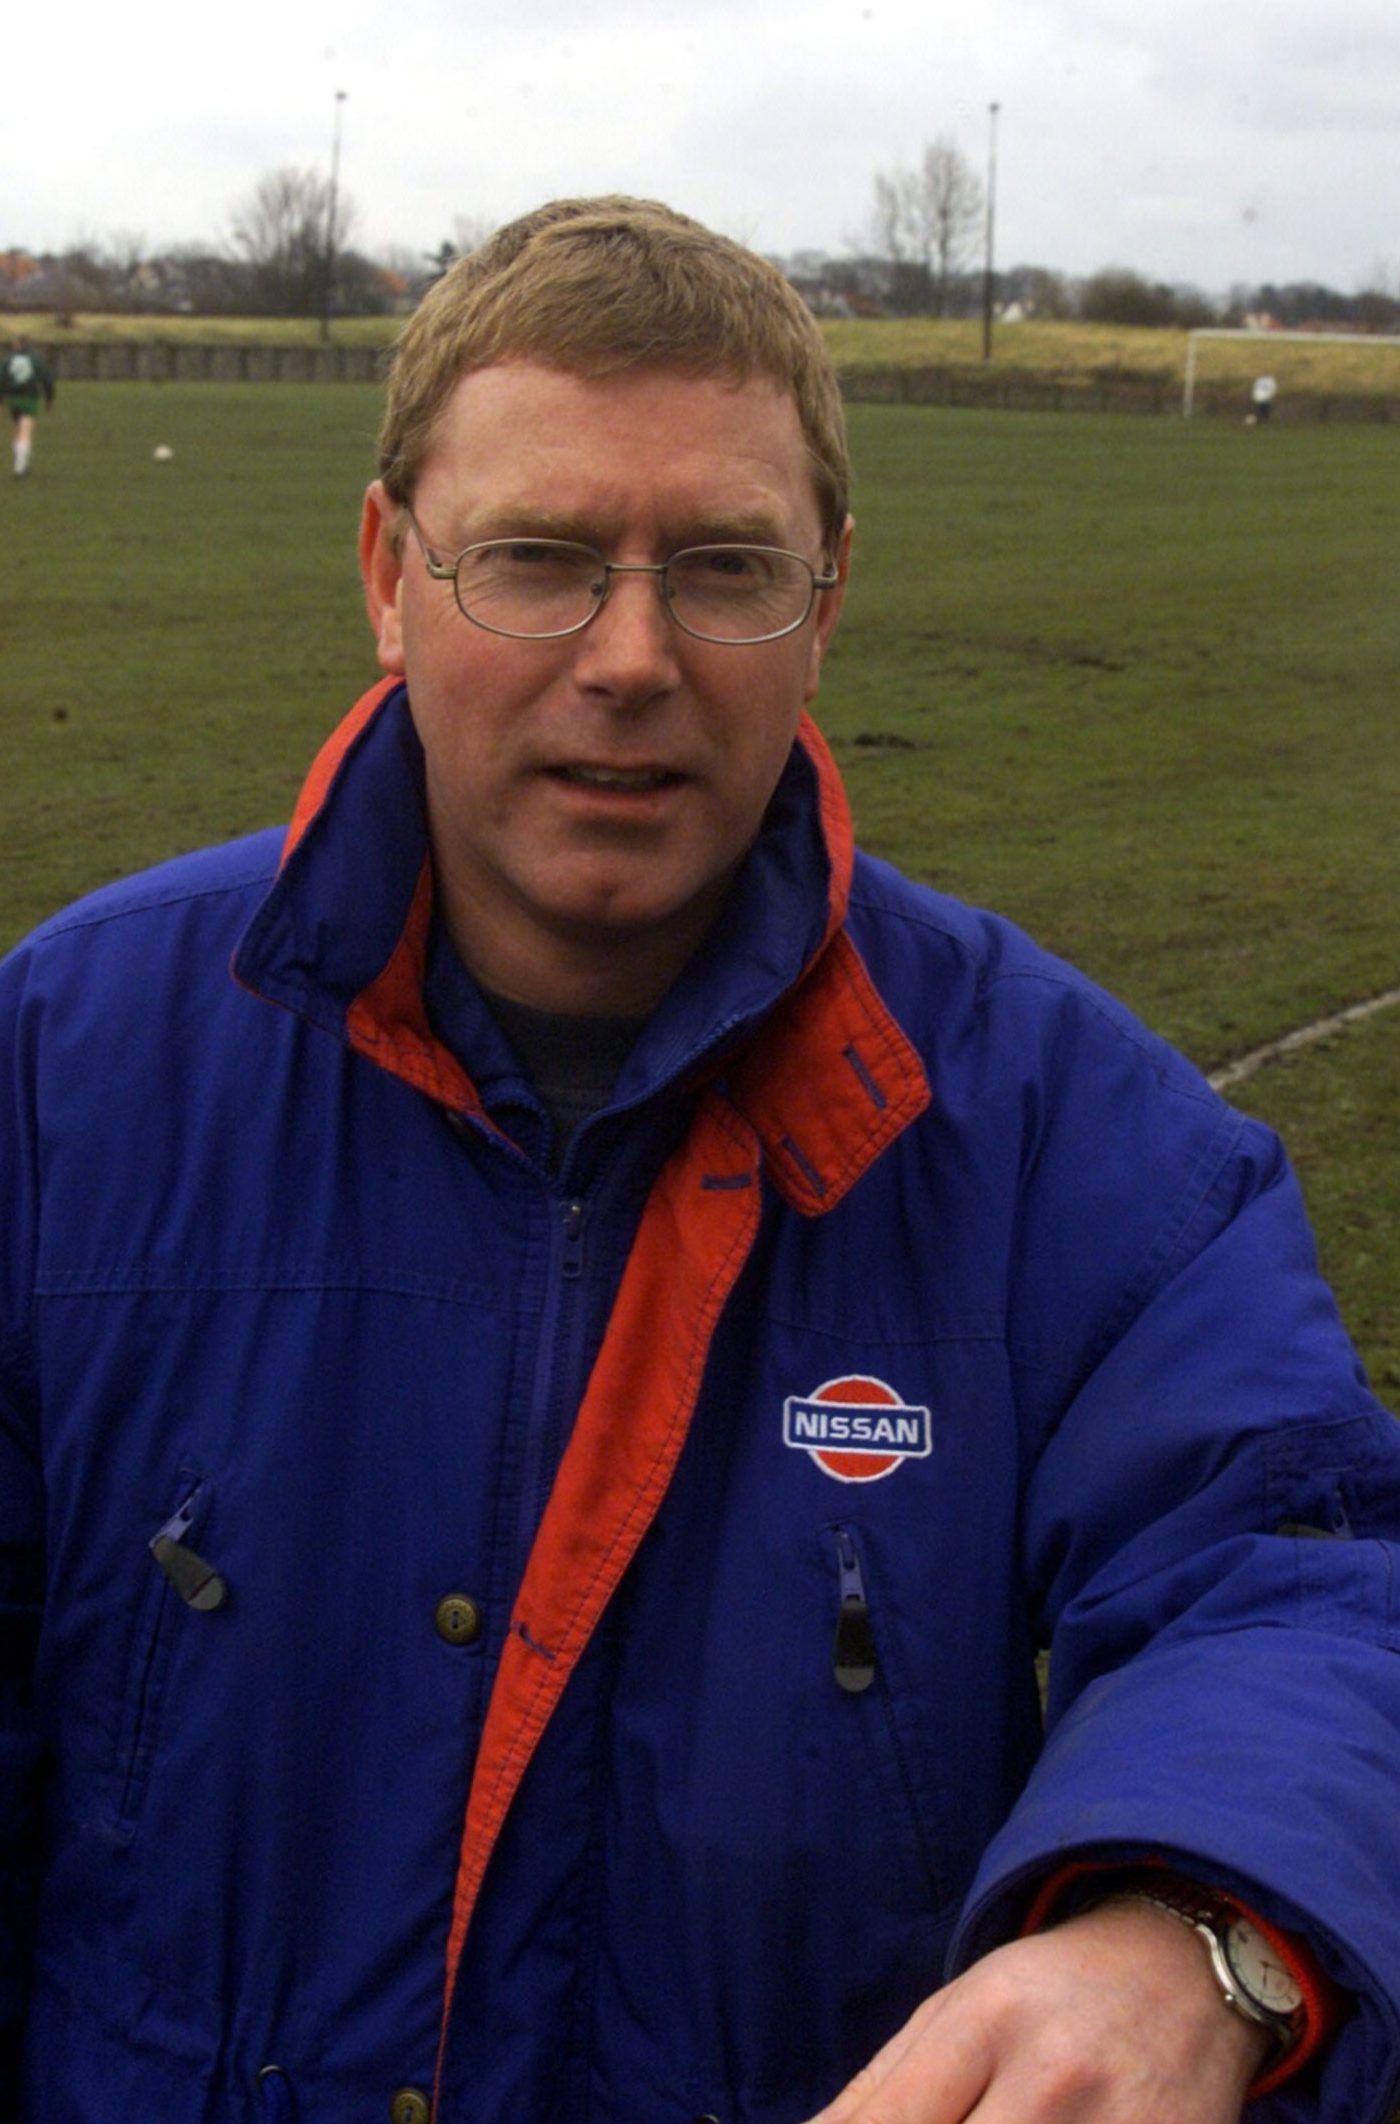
(536, 563)
(715, 568)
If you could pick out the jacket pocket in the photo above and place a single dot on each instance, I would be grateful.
(863, 1669)
(178, 1582)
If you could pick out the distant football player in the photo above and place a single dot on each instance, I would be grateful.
(1261, 400)
(24, 380)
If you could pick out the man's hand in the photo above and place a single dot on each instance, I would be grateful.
(1112, 2018)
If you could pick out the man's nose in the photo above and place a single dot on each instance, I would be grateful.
(629, 647)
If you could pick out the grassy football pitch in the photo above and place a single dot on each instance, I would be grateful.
(1131, 681)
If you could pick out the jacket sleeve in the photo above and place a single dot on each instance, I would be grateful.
(20, 1751)
(1211, 1512)
(21, 1565)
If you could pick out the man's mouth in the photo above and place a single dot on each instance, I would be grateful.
(631, 780)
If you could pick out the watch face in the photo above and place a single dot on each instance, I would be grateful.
(1261, 1974)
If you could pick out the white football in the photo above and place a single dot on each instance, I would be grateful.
(162, 453)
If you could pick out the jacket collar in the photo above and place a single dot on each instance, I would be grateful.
(777, 1006)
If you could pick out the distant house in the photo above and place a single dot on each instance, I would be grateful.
(17, 272)
(822, 299)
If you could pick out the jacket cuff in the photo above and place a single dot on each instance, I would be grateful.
(1080, 1881)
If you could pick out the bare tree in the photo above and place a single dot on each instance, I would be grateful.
(925, 220)
(125, 258)
(1117, 295)
(470, 231)
(282, 232)
(1042, 292)
(1376, 307)
(206, 282)
(949, 213)
(888, 216)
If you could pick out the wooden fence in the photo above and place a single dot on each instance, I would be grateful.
(178, 361)
(1099, 394)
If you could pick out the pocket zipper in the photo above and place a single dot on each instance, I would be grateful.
(276, 2104)
(853, 1650)
(198, 1584)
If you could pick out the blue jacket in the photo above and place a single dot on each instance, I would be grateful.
(569, 1641)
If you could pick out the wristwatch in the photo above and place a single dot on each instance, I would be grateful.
(1255, 1981)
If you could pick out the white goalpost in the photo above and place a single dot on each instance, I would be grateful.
(1266, 337)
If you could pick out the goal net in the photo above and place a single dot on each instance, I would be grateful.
(1369, 369)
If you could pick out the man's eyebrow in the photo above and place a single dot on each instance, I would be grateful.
(735, 527)
(721, 527)
(511, 520)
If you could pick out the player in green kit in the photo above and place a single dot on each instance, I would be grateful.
(24, 380)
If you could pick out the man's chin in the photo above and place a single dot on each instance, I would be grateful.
(614, 912)
(634, 943)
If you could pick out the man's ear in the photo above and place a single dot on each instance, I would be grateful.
(829, 603)
(381, 571)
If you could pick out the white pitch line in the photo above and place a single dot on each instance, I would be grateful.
(1236, 1072)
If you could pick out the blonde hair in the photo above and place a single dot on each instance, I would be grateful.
(598, 286)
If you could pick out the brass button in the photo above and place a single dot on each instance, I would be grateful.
(410, 2106)
(457, 1619)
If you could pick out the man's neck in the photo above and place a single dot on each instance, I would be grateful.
(572, 1061)
(572, 971)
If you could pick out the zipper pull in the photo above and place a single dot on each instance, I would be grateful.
(573, 1215)
(1338, 1527)
(274, 2089)
(197, 1582)
(853, 1653)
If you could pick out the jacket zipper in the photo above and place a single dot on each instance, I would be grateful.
(573, 1216)
(568, 1229)
(853, 1651)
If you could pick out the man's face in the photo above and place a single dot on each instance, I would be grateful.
(590, 798)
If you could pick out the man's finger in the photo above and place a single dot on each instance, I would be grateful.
(930, 2072)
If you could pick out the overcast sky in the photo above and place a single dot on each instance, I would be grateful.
(1196, 140)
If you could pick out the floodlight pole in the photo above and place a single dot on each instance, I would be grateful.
(330, 218)
(987, 274)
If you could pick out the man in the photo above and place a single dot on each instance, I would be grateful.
(545, 1419)
(24, 378)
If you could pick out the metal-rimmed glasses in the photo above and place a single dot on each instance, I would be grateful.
(541, 589)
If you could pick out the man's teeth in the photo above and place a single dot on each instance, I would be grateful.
(618, 777)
